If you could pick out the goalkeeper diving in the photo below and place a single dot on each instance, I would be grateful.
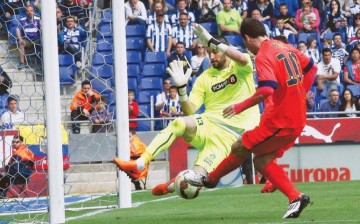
(229, 80)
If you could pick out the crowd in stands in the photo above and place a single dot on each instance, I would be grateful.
(327, 31)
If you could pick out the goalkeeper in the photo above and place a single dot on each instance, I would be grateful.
(229, 80)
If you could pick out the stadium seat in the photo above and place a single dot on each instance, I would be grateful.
(102, 71)
(132, 83)
(135, 44)
(145, 112)
(105, 29)
(111, 97)
(268, 23)
(104, 46)
(304, 36)
(151, 83)
(134, 57)
(67, 75)
(66, 59)
(102, 58)
(135, 31)
(291, 39)
(156, 70)
(330, 35)
(106, 15)
(3, 101)
(145, 96)
(235, 40)
(133, 70)
(156, 57)
(211, 27)
(102, 86)
(355, 89)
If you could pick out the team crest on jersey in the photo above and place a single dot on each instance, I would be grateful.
(219, 86)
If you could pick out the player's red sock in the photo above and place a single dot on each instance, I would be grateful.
(277, 176)
(229, 164)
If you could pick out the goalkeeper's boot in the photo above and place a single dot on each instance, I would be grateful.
(268, 187)
(296, 206)
(198, 179)
(129, 167)
(162, 189)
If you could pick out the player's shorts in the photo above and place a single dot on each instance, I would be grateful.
(213, 142)
(264, 140)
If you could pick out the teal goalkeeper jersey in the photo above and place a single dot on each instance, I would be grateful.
(217, 89)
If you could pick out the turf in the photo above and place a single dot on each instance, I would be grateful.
(332, 202)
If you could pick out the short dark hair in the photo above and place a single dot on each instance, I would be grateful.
(337, 34)
(323, 51)
(221, 39)
(11, 98)
(182, 43)
(85, 82)
(281, 38)
(21, 138)
(252, 28)
(173, 87)
(354, 49)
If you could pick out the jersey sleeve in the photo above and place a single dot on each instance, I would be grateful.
(266, 75)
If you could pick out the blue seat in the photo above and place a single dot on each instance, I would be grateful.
(211, 27)
(111, 109)
(102, 58)
(157, 70)
(135, 44)
(66, 59)
(135, 31)
(111, 99)
(304, 36)
(235, 40)
(291, 39)
(145, 96)
(132, 83)
(133, 70)
(144, 112)
(330, 35)
(134, 57)
(355, 89)
(104, 46)
(105, 29)
(268, 23)
(156, 57)
(67, 75)
(151, 83)
(106, 15)
(3, 101)
(103, 71)
(102, 86)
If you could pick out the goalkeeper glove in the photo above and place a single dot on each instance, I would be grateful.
(176, 71)
(208, 40)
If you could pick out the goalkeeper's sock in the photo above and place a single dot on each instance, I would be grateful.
(164, 139)
(278, 177)
(229, 164)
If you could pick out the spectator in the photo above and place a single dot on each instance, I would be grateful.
(84, 3)
(351, 9)
(348, 104)
(352, 30)
(182, 32)
(159, 35)
(162, 97)
(12, 116)
(167, 8)
(59, 19)
(331, 105)
(71, 8)
(172, 107)
(256, 15)
(228, 20)
(265, 7)
(28, 34)
(311, 43)
(137, 148)
(155, 8)
(83, 104)
(133, 109)
(290, 5)
(310, 102)
(209, 9)
(181, 7)
(307, 18)
(200, 62)
(100, 118)
(179, 55)
(336, 21)
(352, 68)
(19, 167)
(135, 12)
(282, 29)
(286, 16)
(242, 7)
(12, 8)
(5, 82)
(328, 71)
(301, 46)
(70, 39)
(338, 49)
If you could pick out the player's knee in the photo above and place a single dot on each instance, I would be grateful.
(238, 149)
(177, 125)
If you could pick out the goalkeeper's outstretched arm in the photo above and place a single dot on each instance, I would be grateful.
(230, 51)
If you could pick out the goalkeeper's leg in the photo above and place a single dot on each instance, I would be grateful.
(184, 126)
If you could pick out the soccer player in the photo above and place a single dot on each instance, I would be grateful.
(285, 76)
(229, 80)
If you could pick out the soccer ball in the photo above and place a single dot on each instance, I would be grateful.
(185, 189)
